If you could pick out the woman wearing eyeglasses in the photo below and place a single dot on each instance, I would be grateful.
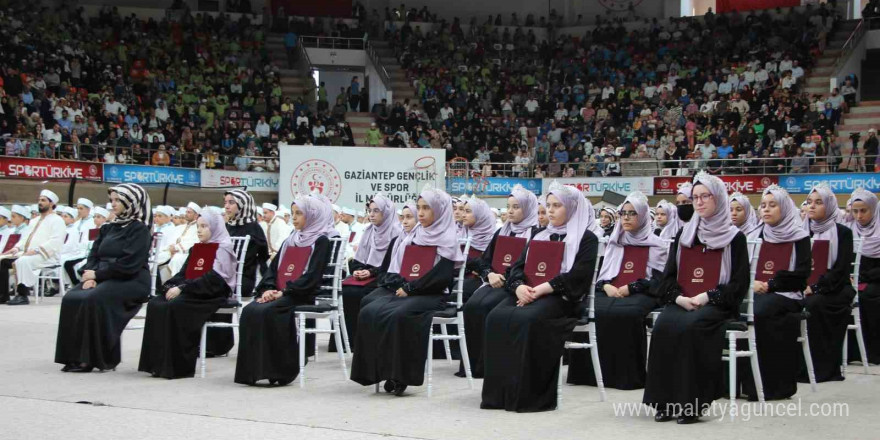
(633, 263)
(866, 226)
(781, 278)
(829, 291)
(685, 372)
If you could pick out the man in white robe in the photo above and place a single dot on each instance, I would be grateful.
(186, 236)
(84, 220)
(275, 229)
(162, 224)
(20, 216)
(5, 221)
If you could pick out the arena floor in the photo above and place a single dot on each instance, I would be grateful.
(40, 402)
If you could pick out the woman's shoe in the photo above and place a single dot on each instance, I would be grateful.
(389, 386)
(687, 420)
(399, 388)
(81, 369)
(662, 416)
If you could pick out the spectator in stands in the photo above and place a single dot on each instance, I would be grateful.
(161, 157)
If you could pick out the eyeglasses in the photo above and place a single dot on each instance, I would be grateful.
(703, 197)
(627, 213)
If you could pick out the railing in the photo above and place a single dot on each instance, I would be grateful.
(854, 38)
(377, 63)
(481, 170)
(332, 42)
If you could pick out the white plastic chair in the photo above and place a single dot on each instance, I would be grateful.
(856, 326)
(325, 308)
(233, 305)
(587, 326)
(44, 276)
(154, 268)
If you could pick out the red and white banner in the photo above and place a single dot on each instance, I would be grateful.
(254, 181)
(743, 184)
(49, 169)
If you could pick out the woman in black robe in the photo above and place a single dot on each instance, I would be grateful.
(685, 371)
(371, 260)
(866, 226)
(115, 282)
(241, 221)
(526, 332)
(522, 222)
(173, 327)
(828, 298)
(624, 298)
(269, 347)
(393, 326)
(778, 299)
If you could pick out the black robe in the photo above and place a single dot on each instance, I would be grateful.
(869, 312)
(777, 327)
(92, 321)
(392, 333)
(621, 337)
(269, 348)
(523, 345)
(830, 308)
(478, 307)
(221, 340)
(173, 329)
(684, 362)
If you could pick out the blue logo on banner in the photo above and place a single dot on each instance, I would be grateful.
(839, 183)
(491, 186)
(146, 174)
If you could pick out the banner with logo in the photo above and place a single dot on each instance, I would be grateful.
(490, 186)
(743, 184)
(257, 182)
(349, 176)
(841, 183)
(117, 173)
(49, 168)
(596, 186)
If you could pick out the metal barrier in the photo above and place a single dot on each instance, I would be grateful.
(461, 168)
(333, 42)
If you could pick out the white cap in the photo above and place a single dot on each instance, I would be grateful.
(269, 207)
(4, 212)
(69, 211)
(282, 211)
(349, 211)
(21, 210)
(165, 209)
(195, 207)
(181, 212)
(85, 202)
(259, 211)
(109, 207)
(496, 212)
(336, 208)
(34, 208)
(49, 195)
(399, 212)
(102, 212)
(504, 210)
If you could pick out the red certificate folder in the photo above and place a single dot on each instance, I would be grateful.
(544, 261)
(633, 267)
(820, 261)
(507, 251)
(473, 253)
(699, 269)
(417, 261)
(352, 281)
(93, 234)
(292, 265)
(11, 242)
(201, 259)
(773, 258)
(351, 236)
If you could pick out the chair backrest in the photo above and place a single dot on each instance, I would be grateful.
(857, 264)
(153, 264)
(239, 247)
(591, 290)
(458, 290)
(754, 254)
(336, 263)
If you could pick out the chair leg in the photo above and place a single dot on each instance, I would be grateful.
(339, 348)
(61, 289)
(756, 368)
(446, 343)
(843, 355)
(344, 328)
(203, 348)
(597, 367)
(731, 370)
(430, 366)
(301, 335)
(316, 340)
(860, 340)
(559, 385)
(808, 357)
(462, 344)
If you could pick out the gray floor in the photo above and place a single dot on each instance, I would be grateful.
(40, 402)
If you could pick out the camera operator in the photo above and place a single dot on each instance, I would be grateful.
(871, 145)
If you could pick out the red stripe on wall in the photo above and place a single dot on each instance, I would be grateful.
(749, 5)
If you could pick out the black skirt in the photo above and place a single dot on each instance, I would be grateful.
(523, 348)
(351, 304)
(684, 363)
(869, 313)
(622, 341)
(476, 310)
(777, 327)
(392, 337)
(92, 321)
(172, 333)
(829, 316)
(268, 347)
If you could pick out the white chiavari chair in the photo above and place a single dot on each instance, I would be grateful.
(154, 268)
(856, 326)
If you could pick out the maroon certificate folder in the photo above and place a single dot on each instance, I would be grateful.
(774, 257)
(474, 253)
(351, 236)
(417, 261)
(699, 269)
(201, 259)
(820, 261)
(93, 234)
(352, 281)
(544, 261)
(507, 250)
(11, 242)
(292, 265)
(633, 267)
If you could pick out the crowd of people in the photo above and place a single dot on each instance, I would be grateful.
(531, 276)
